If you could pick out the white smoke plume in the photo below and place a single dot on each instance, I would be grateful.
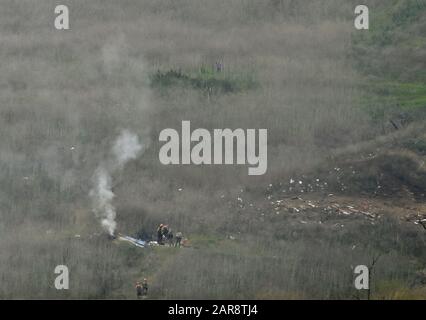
(125, 148)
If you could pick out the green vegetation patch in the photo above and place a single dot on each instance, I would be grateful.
(387, 98)
(388, 18)
(206, 79)
(389, 52)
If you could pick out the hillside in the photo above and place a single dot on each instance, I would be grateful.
(346, 179)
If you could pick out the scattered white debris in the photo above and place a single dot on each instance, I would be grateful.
(371, 215)
(311, 204)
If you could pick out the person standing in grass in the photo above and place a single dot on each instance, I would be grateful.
(160, 234)
(178, 239)
(139, 290)
(145, 287)
(165, 231)
(170, 238)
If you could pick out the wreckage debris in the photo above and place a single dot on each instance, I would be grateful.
(136, 242)
(418, 219)
(298, 205)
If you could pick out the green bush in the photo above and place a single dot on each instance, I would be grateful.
(205, 80)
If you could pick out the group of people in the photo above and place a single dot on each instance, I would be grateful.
(165, 235)
(142, 288)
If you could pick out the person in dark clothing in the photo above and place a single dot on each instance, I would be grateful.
(145, 287)
(170, 238)
(139, 290)
(178, 239)
(218, 66)
(165, 230)
(160, 234)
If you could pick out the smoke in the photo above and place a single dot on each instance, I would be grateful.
(125, 148)
(116, 60)
(113, 53)
(102, 197)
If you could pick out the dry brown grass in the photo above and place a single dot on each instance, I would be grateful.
(79, 88)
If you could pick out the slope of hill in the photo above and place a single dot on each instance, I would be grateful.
(346, 146)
